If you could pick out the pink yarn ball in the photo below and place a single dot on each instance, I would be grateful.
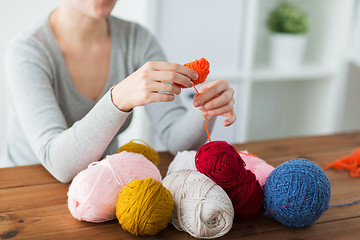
(258, 166)
(93, 192)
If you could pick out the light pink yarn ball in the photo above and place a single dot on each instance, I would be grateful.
(258, 166)
(93, 192)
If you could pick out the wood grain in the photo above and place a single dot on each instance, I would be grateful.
(33, 205)
(25, 176)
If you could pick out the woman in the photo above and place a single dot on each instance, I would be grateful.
(76, 78)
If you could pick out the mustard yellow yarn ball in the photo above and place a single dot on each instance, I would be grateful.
(144, 207)
(141, 148)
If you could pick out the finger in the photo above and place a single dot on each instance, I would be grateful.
(231, 118)
(159, 97)
(221, 100)
(165, 88)
(163, 97)
(209, 91)
(166, 66)
(218, 111)
(172, 76)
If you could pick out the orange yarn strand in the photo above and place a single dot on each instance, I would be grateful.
(248, 154)
(201, 66)
(350, 163)
(207, 121)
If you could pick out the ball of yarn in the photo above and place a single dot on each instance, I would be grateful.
(142, 148)
(297, 193)
(202, 67)
(93, 192)
(144, 207)
(256, 165)
(182, 160)
(222, 163)
(201, 207)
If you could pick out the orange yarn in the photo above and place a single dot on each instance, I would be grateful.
(207, 121)
(201, 66)
(350, 162)
(248, 154)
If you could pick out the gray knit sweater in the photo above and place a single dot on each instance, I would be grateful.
(50, 122)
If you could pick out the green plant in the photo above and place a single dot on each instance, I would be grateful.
(287, 18)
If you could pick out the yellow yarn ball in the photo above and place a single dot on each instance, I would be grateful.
(142, 148)
(144, 207)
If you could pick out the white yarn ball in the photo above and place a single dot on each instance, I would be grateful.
(182, 160)
(201, 207)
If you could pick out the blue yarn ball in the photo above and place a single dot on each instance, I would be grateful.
(297, 193)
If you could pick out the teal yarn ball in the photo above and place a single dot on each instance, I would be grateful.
(297, 193)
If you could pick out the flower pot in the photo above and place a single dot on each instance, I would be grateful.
(287, 50)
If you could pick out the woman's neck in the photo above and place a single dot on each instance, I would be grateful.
(75, 28)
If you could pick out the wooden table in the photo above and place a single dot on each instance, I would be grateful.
(33, 205)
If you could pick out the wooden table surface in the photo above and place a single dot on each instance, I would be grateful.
(33, 205)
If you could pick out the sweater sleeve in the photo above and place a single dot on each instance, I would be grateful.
(64, 151)
(178, 128)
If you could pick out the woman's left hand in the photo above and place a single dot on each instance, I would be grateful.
(216, 99)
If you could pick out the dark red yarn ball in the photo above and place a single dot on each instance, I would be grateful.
(221, 162)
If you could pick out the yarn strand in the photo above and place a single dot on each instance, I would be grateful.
(201, 67)
(350, 163)
(207, 121)
(345, 204)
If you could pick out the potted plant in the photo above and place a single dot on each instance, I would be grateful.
(289, 26)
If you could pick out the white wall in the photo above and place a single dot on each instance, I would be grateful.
(212, 29)
(351, 111)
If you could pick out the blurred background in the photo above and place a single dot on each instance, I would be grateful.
(276, 95)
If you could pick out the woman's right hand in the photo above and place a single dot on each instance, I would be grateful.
(153, 82)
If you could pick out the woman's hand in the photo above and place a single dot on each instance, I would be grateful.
(216, 99)
(153, 82)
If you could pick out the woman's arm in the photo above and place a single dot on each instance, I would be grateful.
(63, 150)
